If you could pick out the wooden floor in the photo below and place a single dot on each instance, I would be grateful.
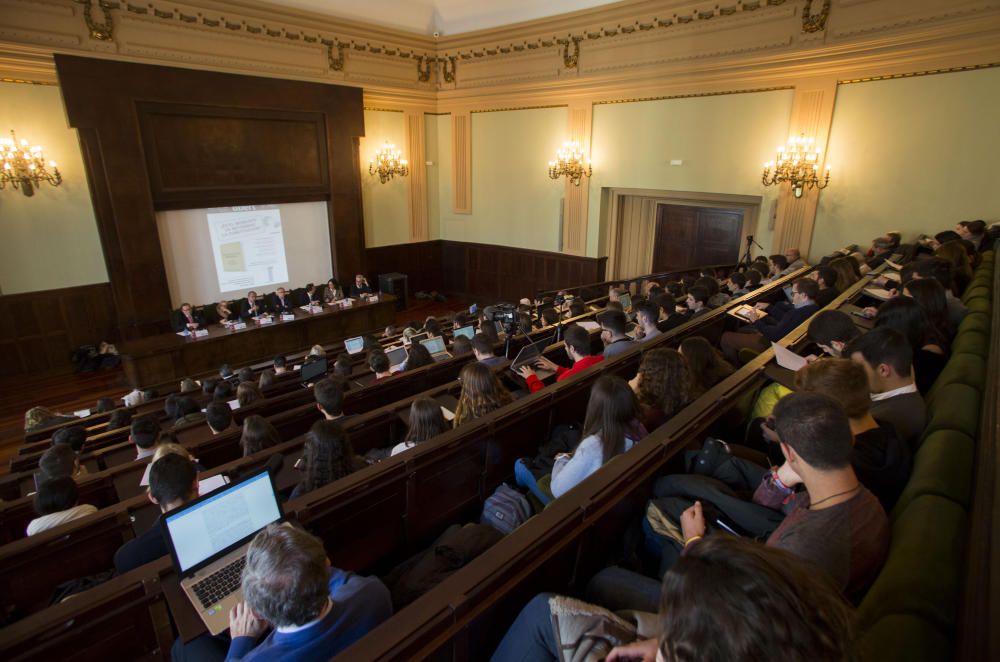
(74, 391)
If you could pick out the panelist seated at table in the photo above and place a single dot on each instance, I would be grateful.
(253, 308)
(312, 296)
(223, 312)
(360, 287)
(281, 303)
(186, 319)
(333, 291)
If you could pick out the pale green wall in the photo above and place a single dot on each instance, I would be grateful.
(437, 143)
(913, 155)
(50, 240)
(386, 206)
(514, 203)
(722, 140)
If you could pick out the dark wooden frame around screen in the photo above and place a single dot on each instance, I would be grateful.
(116, 107)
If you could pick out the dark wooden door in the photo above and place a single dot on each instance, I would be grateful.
(691, 237)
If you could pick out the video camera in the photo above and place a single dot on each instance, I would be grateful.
(505, 313)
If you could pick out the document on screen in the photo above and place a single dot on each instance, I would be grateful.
(248, 247)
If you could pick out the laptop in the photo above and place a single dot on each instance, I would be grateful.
(436, 347)
(313, 370)
(467, 331)
(396, 357)
(208, 540)
(354, 345)
(531, 353)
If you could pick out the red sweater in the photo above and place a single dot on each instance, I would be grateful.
(535, 384)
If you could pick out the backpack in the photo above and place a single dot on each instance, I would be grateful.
(506, 509)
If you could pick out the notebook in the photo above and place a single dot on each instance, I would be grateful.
(354, 345)
(208, 540)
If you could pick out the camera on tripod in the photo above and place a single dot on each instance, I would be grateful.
(505, 313)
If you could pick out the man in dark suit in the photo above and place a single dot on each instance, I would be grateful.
(281, 302)
(251, 307)
(360, 287)
(779, 321)
(186, 319)
(311, 297)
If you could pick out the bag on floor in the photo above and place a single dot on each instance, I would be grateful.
(506, 509)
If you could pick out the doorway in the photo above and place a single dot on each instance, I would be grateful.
(688, 237)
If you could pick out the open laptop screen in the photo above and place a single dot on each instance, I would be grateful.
(354, 345)
(467, 331)
(396, 356)
(434, 345)
(313, 369)
(201, 531)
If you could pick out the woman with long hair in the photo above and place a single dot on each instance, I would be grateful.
(426, 421)
(222, 312)
(961, 270)
(328, 457)
(612, 426)
(482, 393)
(846, 272)
(706, 367)
(332, 292)
(931, 296)
(661, 385)
(905, 315)
(417, 356)
(432, 327)
(258, 434)
(248, 393)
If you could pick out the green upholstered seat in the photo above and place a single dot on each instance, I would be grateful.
(923, 573)
(904, 638)
(955, 407)
(943, 467)
(973, 342)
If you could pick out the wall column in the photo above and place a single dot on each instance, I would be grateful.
(812, 115)
(414, 121)
(461, 160)
(574, 230)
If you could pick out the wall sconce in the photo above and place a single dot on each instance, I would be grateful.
(797, 164)
(24, 167)
(387, 163)
(570, 162)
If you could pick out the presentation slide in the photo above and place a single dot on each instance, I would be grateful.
(221, 253)
(248, 248)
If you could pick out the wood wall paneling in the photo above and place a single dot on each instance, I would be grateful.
(249, 140)
(689, 237)
(39, 330)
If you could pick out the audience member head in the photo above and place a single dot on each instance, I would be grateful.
(824, 276)
(245, 375)
(613, 323)
(185, 407)
(907, 317)
(832, 330)
(266, 379)
(737, 281)
(75, 437)
(814, 433)
(417, 356)
(754, 276)
(886, 356)
(104, 405)
(577, 342)
(936, 268)
(663, 380)
(461, 345)
(576, 308)
(426, 421)
(612, 414)
(208, 385)
(329, 396)
(842, 379)
(482, 347)
(149, 394)
(55, 495)
(647, 314)
(170, 405)
(225, 372)
(806, 290)
(248, 393)
(846, 276)
(145, 431)
(550, 316)
(173, 481)
(778, 263)
(970, 230)
(286, 581)
(710, 284)
(715, 598)
(481, 394)
(706, 367)
(280, 364)
(223, 392)
(342, 367)
(432, 327)
(615, 305)
(489, 331)
(697, 298)
(219, 416)
(930, 296)
(189, 385)
(328, 455)
(378, 362)
(317, 351)
(955, 253)
(176, 449)
(792, 255)
(119, 418)
(59, 461)
(258, 434)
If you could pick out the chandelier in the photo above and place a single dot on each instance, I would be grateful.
(798, 165)
(387, 164)
(570, 163)
(24, 166)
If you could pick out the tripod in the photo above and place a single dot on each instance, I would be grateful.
(747, 258)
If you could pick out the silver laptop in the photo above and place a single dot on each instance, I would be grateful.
(354, 345)
(467, 331)
(396, 356)
(208, 540)
(435, 346)
(529, 354)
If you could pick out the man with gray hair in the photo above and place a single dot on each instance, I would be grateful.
(315, 610)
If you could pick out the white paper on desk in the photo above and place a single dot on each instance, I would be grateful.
(787, 358)
(449, 415)
(201, 333)
(895, 266)
(893, 276)
(183, 334)
(297, 367)
(234, 404)
(206, 485)
(239, 326)
(589, 326)
(82, 413)
(878, 293)
(287, 317)
(265, 320)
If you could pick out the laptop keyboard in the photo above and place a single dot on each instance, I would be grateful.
(221, 584)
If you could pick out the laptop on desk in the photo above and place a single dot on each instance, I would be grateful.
(313, 370)
(208, 540)
(529, 354)
(467, 331)
(396, 356)
(435, 346)
(354, 345)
